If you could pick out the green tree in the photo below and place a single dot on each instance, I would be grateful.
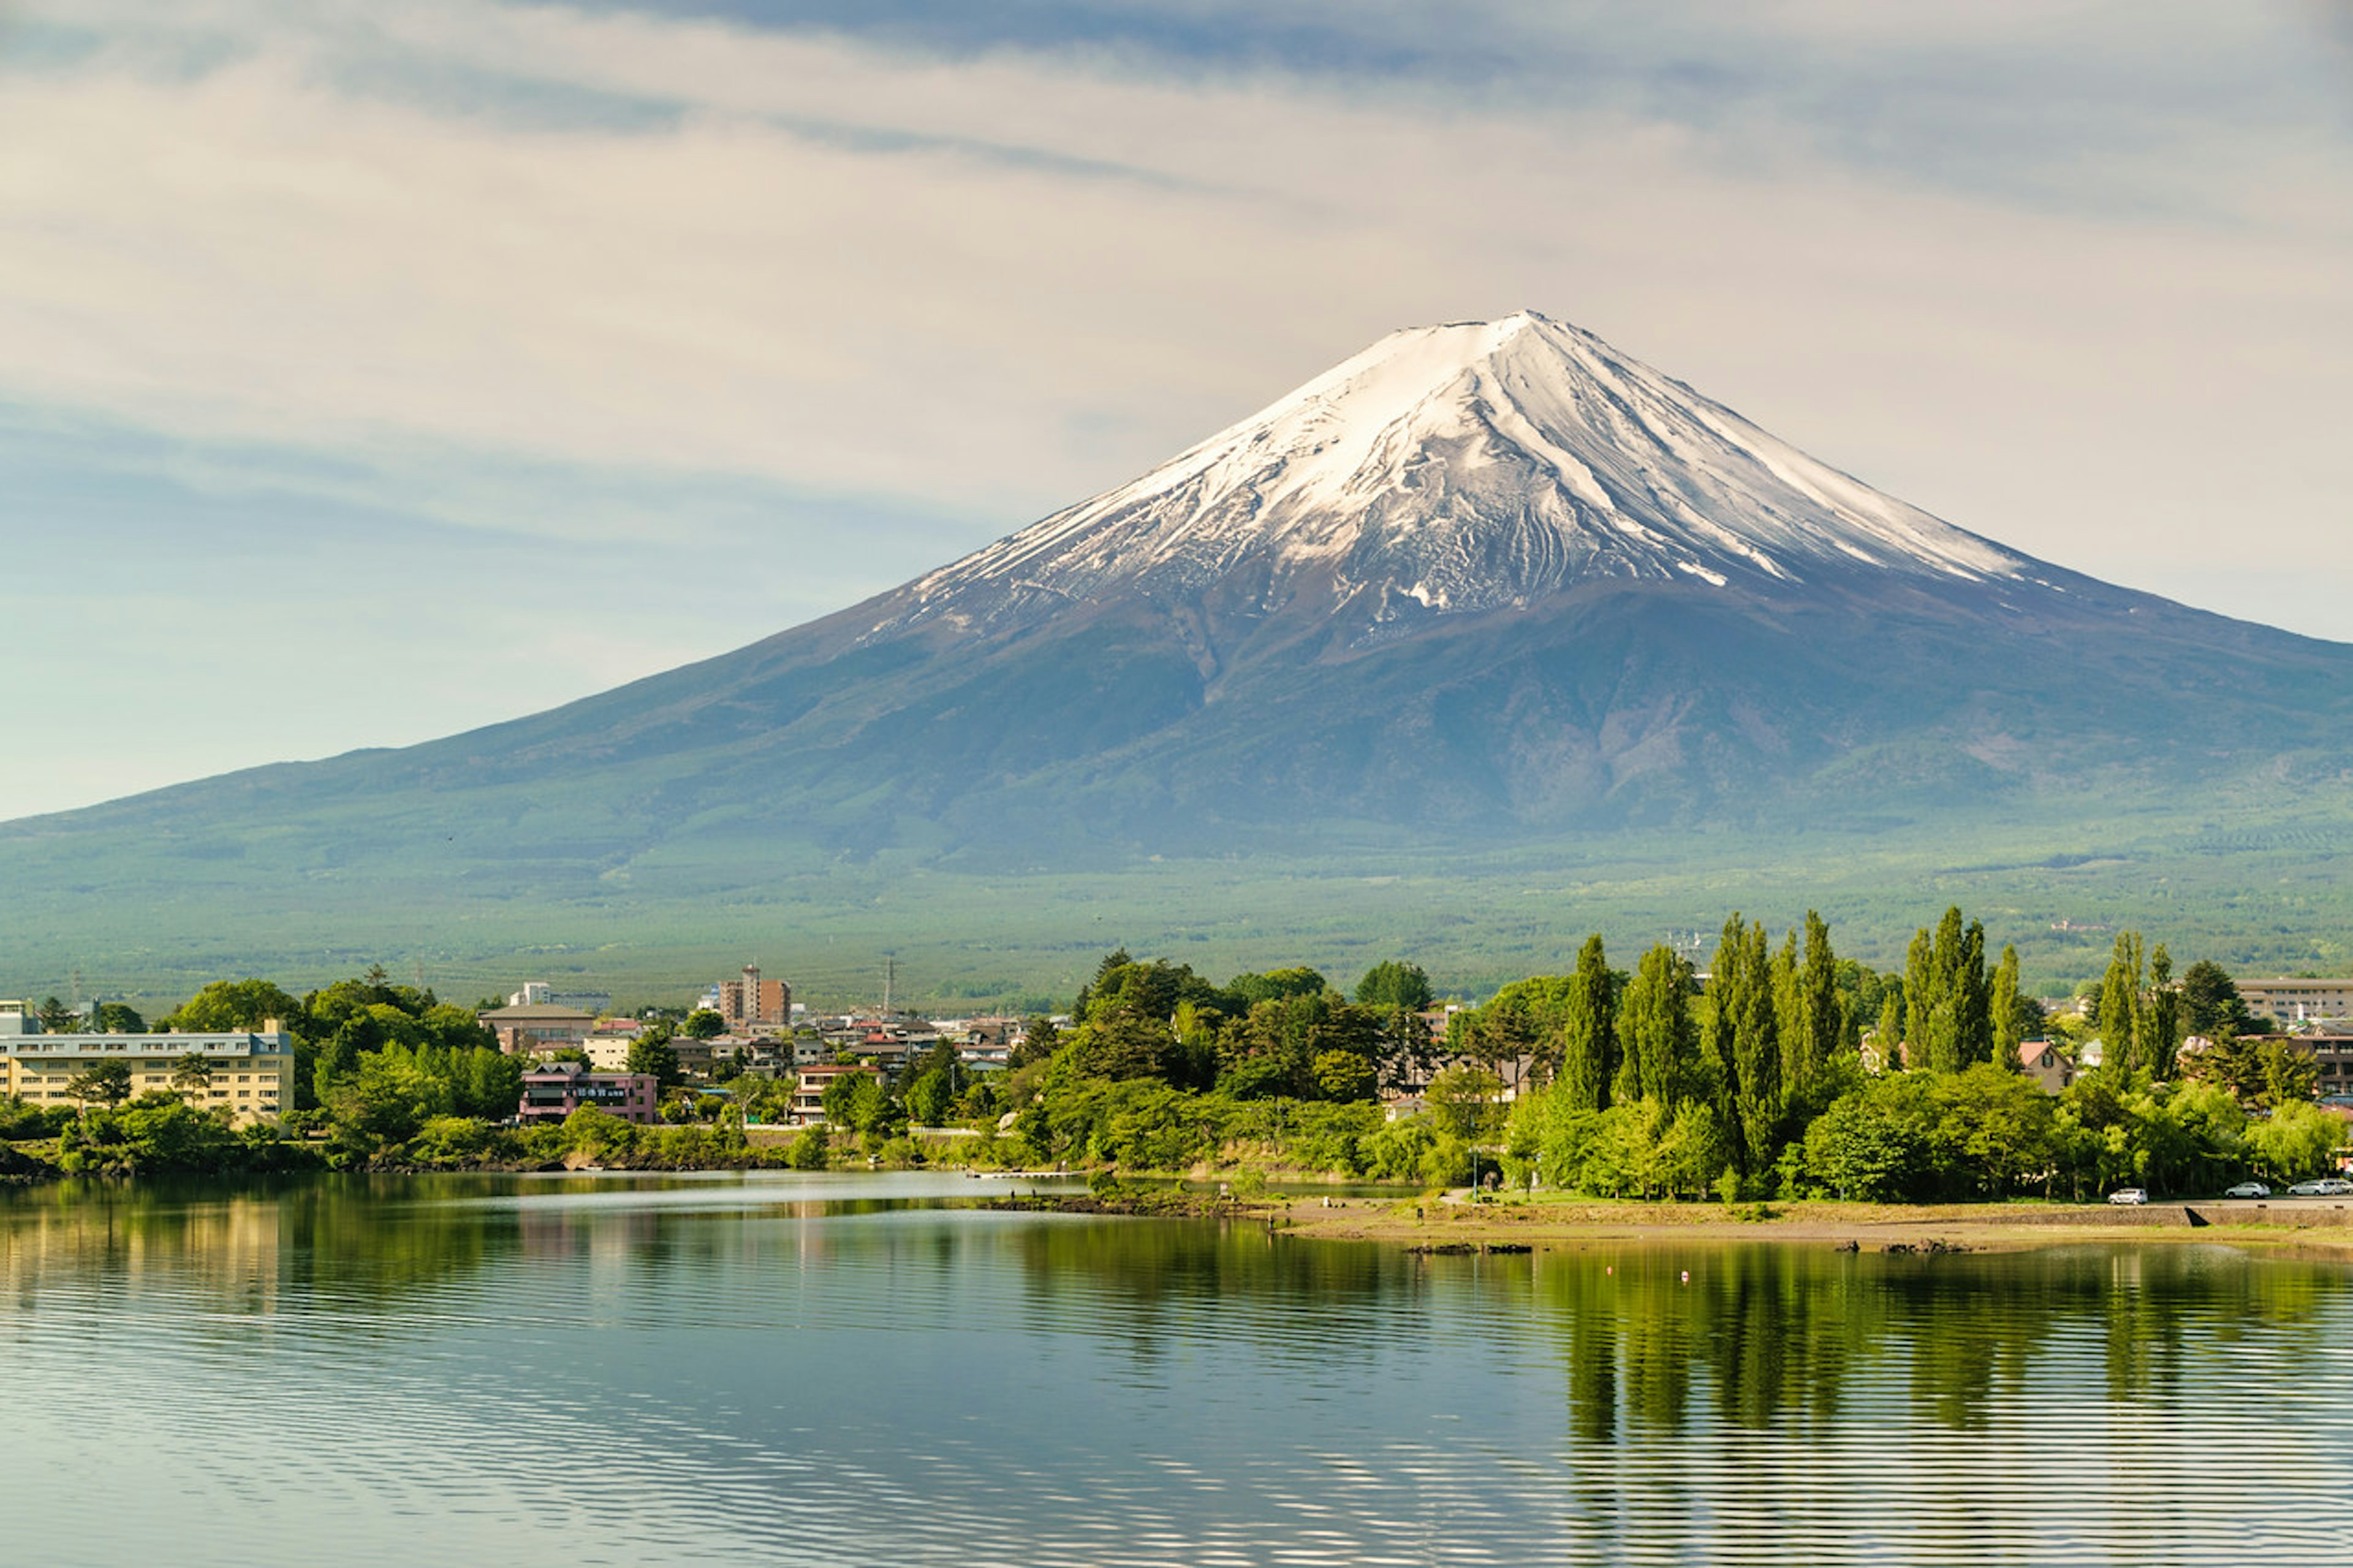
(227, 1004)
(1819, 1028)
(704, 1024)
(1122, 1045)
(2120, 1006)
(1745, 1045)
(387, 1100)
(109, 1083)
(1394, 984)
(2294, 1143)
(1947, 1015)
(1040, 1041)
(1589, 1036)
(2009, 1010)
(1863, 1147)
(2211, 1004)
(928, 1099)
(1973, 1027)
(1275, 985)
(56, 1018)
(119, 1018)
(1887, 1035)
(1658, 1041)
(2163, 1015)
(1344, 1075)
(2289, 1075)
(192, 1075)
(1921, 991)
(1466, 1100)
(651, 1052)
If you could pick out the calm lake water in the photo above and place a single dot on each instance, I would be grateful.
(811, 1369)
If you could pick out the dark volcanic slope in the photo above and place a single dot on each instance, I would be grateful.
(1485, 578)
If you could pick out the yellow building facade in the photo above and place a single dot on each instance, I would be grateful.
(251, 1076)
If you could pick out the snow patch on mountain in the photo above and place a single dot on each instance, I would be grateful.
(1452, 468)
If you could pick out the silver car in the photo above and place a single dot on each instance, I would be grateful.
(2128, 1195)
(2248, 1190)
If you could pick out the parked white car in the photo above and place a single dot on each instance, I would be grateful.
(2248, 1190)
(2313, 1189)
(2128, 1195)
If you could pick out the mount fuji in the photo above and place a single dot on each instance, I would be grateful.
(1484, 583)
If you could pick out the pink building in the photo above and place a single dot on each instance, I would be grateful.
(553, 1093)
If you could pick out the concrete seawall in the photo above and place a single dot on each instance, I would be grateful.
(2178, 1216)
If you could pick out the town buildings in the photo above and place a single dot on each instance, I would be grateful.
(540, 994)
(2292, 1001)
(536, 1027)
(752, 1002)
(554, 1090)
(249, 1075)
(809, 1091)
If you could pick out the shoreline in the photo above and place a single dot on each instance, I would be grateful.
(1866, 1227)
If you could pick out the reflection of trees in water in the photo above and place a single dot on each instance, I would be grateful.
(244, 1249)
(1772, 1336)
(1145, 1282)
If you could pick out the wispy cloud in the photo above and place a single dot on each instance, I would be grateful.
(680, 276)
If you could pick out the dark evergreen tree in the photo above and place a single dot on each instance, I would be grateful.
(2211, 1005)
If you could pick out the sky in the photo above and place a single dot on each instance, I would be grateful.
(369, 373)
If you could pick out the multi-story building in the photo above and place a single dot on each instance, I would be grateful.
(2294, 1000)
(536, 1027)
(554, 1091)
(540, 994)
(809, 1092)
(754, 1001)
(250, 1076)
(2331, 1058)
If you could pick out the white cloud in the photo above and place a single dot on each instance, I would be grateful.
(450, 245)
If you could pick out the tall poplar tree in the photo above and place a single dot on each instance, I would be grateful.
(2163, 1039)
(1919, 987)
(1972, 998)
(2002, 1000)
(1659, 1043)
(1729, 982)
(1789, 1007)
(1820, 1023)
(2120, 1005)
(1588, 1058)
(1888, 1036)
(1759, 1091)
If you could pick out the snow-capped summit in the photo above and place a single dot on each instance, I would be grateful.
(1463, 467)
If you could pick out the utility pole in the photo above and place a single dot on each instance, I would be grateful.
(890, 980)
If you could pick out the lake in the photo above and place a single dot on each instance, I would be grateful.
(852, 1369)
